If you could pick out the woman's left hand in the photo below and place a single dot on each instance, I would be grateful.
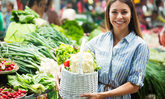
(92, 96)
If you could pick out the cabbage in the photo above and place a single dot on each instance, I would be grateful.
(16, 32)
(25, 17)
(40, 22)
(87, 62)
(48, 66)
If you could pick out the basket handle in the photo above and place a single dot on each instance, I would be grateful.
(81, 55)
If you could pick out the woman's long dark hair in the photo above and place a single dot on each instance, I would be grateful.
(134, 23)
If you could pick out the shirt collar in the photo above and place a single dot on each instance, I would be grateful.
(130, 36)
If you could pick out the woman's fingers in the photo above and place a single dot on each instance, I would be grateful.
(58, 77)
(85, 95)
(57, 83)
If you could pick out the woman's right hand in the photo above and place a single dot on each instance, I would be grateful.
(58, 77)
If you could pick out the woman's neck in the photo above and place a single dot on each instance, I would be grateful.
(118, 35)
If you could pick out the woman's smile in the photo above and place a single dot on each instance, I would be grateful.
(119, 22)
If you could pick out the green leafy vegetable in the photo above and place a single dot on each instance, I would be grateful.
(63, 53)
(154, 82)
(94, 33)
(26, 16)
(88, 26)
(16, 32)
(33, 83)
(73, 30)
(26, 56)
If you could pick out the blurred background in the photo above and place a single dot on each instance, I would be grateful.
(151, 13)
(78, 19)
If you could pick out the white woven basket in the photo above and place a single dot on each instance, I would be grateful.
(72, 85)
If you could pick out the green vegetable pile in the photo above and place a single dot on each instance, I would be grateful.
(22, 23)
(94, 33)
(16, 32)
(47, 36)
(32, 83)
(25, 17)
(73, 30)
(88, 27)
(154, 82)
(63, 53)
(39, 44)
(158, 56)
(26, 56)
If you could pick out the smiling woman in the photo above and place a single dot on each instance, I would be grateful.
(121, 53)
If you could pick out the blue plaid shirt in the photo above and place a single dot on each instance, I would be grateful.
(125, 62)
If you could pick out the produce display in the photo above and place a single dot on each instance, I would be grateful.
(63, 52)
(26, 56)
(33, 50)
(26, 16)
(88, 27)
(8, 93)
(48, 66)
(32, 83)
(73, 30)
(47, 37)
(154, 82)
(6, 65)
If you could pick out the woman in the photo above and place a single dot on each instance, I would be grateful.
(121, 53)
(39, 6)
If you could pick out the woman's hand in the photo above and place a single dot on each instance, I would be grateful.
(58, 77)
(92, 96)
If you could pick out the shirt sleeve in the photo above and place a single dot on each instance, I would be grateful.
(138, 66)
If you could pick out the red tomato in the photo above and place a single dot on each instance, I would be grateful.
(66, 63)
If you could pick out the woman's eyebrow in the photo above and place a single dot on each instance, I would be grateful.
(119, 9)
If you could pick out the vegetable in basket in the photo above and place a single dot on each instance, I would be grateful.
(89, 64)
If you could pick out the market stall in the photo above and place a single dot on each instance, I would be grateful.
(33, 49)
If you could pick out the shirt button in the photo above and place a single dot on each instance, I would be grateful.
(114, 51)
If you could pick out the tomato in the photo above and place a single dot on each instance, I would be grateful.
(23, 91)
(4, 96)
(66, 63)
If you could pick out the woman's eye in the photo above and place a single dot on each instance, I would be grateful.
(124, 12)
(114, 12)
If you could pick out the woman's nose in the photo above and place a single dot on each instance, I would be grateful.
(119, 15)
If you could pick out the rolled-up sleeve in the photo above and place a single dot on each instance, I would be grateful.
(138, 65)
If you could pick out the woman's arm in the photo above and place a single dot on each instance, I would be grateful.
(127, 88)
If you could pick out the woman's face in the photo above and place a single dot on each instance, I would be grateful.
(120, 15)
